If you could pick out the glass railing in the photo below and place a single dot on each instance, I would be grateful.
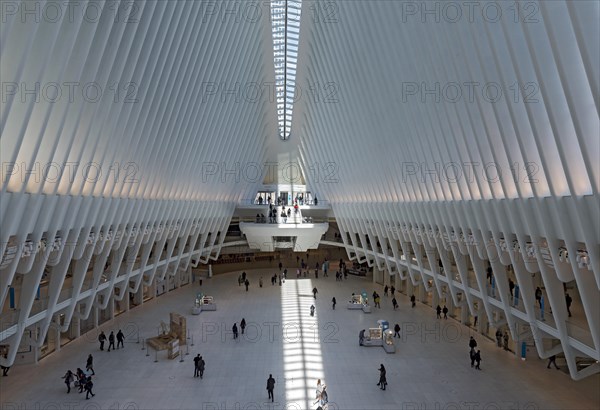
(253, 201)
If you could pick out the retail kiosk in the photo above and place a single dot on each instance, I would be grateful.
(203, 303)
(379, 336)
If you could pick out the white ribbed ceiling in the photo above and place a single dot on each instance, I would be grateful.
(185, 112)
(161, 90)
(401, 91)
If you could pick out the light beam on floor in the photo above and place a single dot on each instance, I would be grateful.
(303, 361)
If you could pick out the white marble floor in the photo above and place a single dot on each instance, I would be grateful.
(430, 370)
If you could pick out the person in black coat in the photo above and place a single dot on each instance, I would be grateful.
(234, 329)
(569, 301)
(243, 325)
(445, 312)
(101, 339)
(271, 387)
(333, 302)
(111, 341)
(201, 367)
(82, 378)
(382, 379)
(397, 330)
(472, 343)
(478, 359)
(88, 388)
(69, 378)
(89, 366)
(197, 365)
(120, 339)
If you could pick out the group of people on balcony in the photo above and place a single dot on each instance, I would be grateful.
(274, 214)
(298, 200)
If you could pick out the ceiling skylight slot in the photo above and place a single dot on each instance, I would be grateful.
(285, 17)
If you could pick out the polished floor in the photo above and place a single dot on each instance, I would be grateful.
(430, 369)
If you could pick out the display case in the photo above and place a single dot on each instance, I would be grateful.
(208, 303)
(355, 302)
(373, 337)
(203, 302)
(366, 308)
(388, 341)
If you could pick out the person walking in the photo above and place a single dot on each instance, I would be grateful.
(243, 325)
(392, 290)
(88, 388)
(315, 291)
(247, 283)
(568, 300)
(538, 296)
(445, 312)
(472, 342)
(69, 378)
(438, 311)
(505, 340)
(271, 387)
(478, 360)
(382, 377)
(394, 303)
(499, 337)
(333, 302)
(111, 341)
(120, 339)
(197, 365)
(397, 330)
(81, 379)
(102, 339)
(323, 398)
(312, 310)
(552, 360)
(260, 282)
(413, 300)
(234, 329)
(89, 366)
(385, 290)
(319, 390)
(201, 367)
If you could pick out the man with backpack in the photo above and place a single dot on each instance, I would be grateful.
(102, 339)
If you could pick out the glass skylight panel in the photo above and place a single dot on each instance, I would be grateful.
(285, 17)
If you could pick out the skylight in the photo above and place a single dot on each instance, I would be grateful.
(285, 17)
